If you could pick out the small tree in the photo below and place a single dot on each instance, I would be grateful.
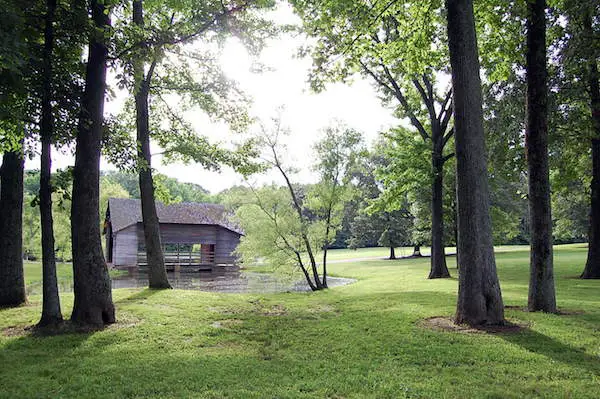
(397, 231)
(286, 226)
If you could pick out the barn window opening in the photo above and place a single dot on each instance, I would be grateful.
(192, 254)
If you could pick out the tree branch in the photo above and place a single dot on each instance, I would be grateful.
(181, 39)
(427, 99)
(285, 240)
(447, 137)
(398, 94)
(445, 103)
(447, 157)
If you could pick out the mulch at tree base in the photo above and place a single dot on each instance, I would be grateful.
(440, 323)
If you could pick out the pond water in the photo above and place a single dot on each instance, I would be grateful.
(226, 279)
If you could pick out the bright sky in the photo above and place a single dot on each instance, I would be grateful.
(285, 84)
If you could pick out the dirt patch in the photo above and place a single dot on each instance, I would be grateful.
(322, 309)
(16, 331)
(447, 324)
(225, 310)
(275, 310)
(227, 323)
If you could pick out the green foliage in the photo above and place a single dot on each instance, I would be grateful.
(272, 229)
(287, 226)
(167, 189)
(500, 33)
(405, 173)
(179, 44)
(408, 37)
(61, 212)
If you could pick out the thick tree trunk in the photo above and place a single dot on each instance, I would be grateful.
(592, 266)
(93, 303)
(541, 276)
(479, 296)
(157, 274)
(439, 269)
(455, 231)
(51, 313)
(392, 252)
(12, 283)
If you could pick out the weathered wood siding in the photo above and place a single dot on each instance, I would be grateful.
(227, 240)
(125, 246)
(188, 233)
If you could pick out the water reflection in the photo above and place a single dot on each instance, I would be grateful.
(225, 279)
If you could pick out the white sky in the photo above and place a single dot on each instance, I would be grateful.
(305, 113)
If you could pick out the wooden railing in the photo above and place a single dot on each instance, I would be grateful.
(191, 258)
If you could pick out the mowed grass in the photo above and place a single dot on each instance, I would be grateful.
(64, 275)
(379, 252)
(360, 340)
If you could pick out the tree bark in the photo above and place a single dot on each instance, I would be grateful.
(51, 313)
(439, 269)
(93, 305)
(541, 276)
(12, 283)
(392, 252)
(592, 266)
(157, 274)
(417, 251)
(479, 296)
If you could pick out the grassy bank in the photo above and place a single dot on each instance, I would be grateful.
(361, 340)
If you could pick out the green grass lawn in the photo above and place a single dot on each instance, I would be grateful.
(361, 340)
(64, 275)
(378, 252)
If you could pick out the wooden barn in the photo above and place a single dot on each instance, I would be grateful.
(192, 234)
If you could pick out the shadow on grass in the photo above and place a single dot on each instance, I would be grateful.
(541, 344)
(140, 295)
(32, 348)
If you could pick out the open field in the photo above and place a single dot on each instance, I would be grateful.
(360, 340)
(378, 252)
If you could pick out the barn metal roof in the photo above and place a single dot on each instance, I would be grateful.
(125, 212)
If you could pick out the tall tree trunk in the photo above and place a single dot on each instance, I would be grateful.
(51, 313)
(479, 296)
(93, 303)
(327, 231)
(455, 232)
(439, 269)
(12, 283)
(592, 266)
(392, 252)
(157, 274)
(541, 276)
